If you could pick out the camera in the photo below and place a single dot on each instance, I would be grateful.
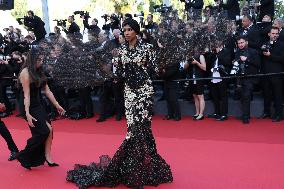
(105, 17)
(162, 8)
(141, 14)
(83, 14)
(267, 47)
(24, 20)
(60, 22)
(5, 58)
(239, 68)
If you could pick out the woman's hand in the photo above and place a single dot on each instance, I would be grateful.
(194, 61)
(60, 110)
(30, 119)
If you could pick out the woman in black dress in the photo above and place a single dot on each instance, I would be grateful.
(32, 80)
(136, 163)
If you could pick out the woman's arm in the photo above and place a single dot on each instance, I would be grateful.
(201, 64)
(25, 81)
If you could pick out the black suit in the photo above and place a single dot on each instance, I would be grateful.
(266, 8)
(37, 26)
(219, 89)
(73, 28)
(91, 28)
(274, 64)
(232, 7)
(171, 89)
(252, 67)
(254, 36)
(281, 36)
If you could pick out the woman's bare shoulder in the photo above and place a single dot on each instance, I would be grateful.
(24, 74)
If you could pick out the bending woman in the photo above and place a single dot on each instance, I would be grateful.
(32, 80)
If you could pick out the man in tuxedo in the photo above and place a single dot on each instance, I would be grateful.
(273, 63)
(4, 132)
(248, 61)
(251, 32)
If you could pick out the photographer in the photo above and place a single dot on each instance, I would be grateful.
(7, 73)
(114, 22)
(73, 28)
(35, 24)
(273, 63)
(247, 63)
(219, 66)
(151, 25)
(94, 28)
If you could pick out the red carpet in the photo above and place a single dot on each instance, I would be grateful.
(202, 154)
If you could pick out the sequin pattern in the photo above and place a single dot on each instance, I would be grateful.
(136, 163)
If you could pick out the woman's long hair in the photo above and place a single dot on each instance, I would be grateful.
(36, 74)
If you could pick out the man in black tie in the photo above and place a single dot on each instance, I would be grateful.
(279, 24)
(248, 61)
(251, 32)
(4, 132)
(273, 57)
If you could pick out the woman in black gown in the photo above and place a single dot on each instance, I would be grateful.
(32, 80)
(136, 163)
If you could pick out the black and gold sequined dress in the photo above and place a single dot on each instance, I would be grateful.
(136, 163)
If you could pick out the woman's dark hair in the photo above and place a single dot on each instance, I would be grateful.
(36, 73)
(133, 24)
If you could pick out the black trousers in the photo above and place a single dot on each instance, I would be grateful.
(5, 99)
(86, 101)
(7, 137)
(273, 91)
(246, 93)
(220, 97)
(171, 95)
(106, 100)
(118, 89)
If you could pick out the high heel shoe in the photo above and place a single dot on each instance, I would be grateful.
(51, 164)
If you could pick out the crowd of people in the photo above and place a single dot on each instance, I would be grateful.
(212, 44)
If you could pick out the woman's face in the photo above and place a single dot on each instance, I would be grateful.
(39, 61)
(129, 33)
